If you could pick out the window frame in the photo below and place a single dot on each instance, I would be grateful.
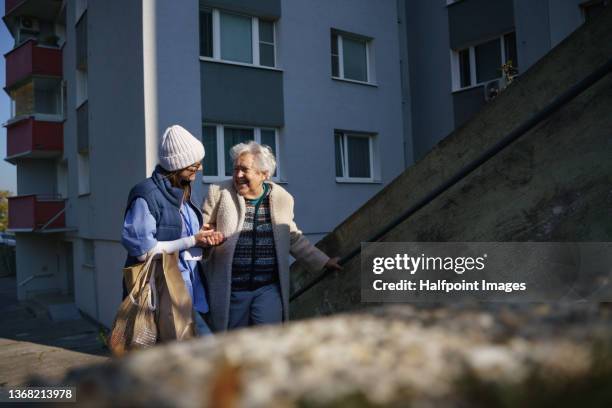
(456, 66)
(219, 134)
(340, 47)
(84, 174)
(372, 151)
(255, 49)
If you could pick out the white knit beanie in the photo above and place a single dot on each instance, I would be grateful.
(179, 149)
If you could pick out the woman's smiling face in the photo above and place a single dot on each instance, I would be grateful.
(248, 180)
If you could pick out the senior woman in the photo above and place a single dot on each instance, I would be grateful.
(248, 275)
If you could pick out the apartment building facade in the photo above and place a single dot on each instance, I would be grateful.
(454, 50)
(319, 83)
(346, 92)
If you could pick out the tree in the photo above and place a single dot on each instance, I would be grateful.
(4, 195)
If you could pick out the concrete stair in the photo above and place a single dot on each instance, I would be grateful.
(552, 184)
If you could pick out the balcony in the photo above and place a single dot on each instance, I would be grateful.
(41, 9)
(33, 139)
(30, 59)
(36, 213)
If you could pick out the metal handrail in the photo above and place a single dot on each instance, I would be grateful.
(32, 277)
(519, 131)
(53, 218)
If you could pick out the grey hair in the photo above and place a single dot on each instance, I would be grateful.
(262, 156)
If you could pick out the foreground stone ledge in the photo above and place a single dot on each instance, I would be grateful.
(392, 356)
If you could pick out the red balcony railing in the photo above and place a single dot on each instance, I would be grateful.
(9, 5)
(31, 59)
(30, 138)
(33, 212)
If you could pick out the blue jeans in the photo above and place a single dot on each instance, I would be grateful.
(255, 307)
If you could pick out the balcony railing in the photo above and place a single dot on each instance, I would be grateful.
(31, 59)
(30, 138)
(9, 5)
(36, 213)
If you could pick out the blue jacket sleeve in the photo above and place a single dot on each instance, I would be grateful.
(139, 229)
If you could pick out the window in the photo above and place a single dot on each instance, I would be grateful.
(237, 38)
(83, 174)
(219, 139)
(482, 62)
(62, 179)
(354, 156)
(593, 8)
(40, 96)
(79, 8)
(89, 253)
(350, 57)
(81, 87)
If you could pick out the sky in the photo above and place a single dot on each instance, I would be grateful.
(8, 173)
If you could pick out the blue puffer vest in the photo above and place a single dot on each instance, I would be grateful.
(164, 202)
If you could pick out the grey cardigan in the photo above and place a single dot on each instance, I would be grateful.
(225, 210)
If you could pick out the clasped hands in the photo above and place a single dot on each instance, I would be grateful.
(208, 236)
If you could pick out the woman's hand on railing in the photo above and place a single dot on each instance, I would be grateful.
(333, 264)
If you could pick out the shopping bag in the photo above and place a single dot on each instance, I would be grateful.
(135, 326)
(175, 319)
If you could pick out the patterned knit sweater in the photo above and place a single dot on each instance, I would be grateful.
(254, 263)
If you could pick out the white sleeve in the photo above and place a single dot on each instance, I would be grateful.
(170, 246)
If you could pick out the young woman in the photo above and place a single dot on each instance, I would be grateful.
(160, 216)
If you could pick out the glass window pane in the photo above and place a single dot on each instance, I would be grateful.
(355, 66)
(231, 137)
(236, 40)
(266, 31)
(510, 48)
(335, 66)
(23, 99)
(266, 55)
(268, 138)
(488, 61)
(47, 96)
(359, 156)
(334, 44)
(464, 68)
(339, 154)
(206, 33)
(209, 139)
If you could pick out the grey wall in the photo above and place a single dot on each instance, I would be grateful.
(36, 176)
(532, 31)
(565, 17)
(171, 72)
(405, 82)
(261, 8)
(315, 104)
(430, 73)
(116, 123)
(36, 254)
(241, 95)
(467, 103)
(474, 20)
(541, 25)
